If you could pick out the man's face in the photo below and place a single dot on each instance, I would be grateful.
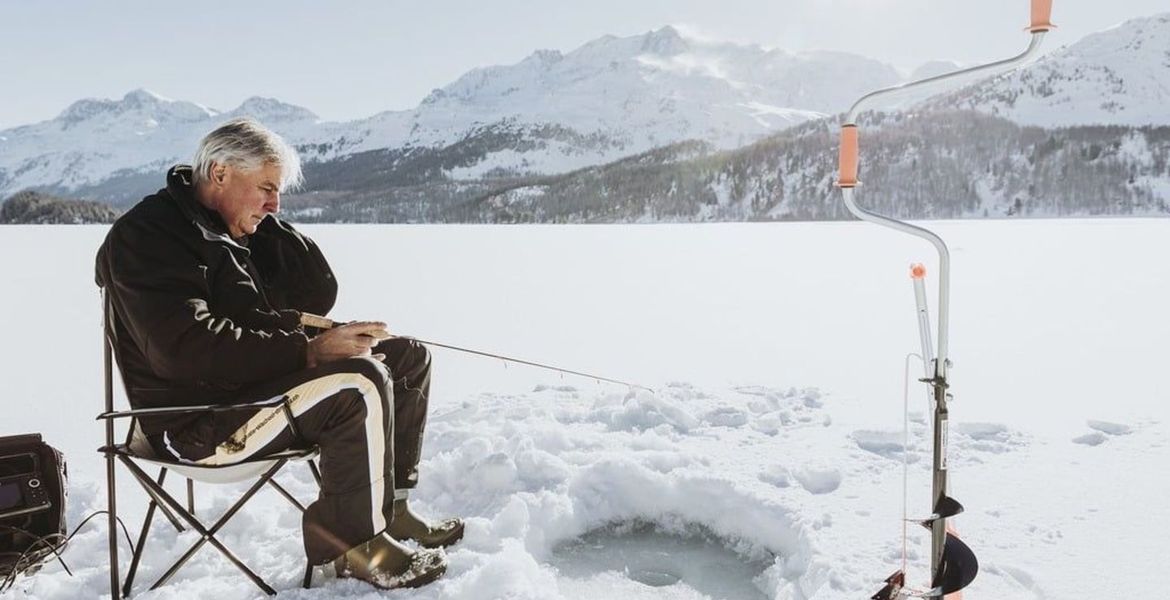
(246, 197)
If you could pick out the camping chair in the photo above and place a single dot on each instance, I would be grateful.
(137, 451)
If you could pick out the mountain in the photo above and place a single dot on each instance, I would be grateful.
(612, 97)
(976, 166)
(640, 92)
(659, 126)
(92, 141)
(1120, 76)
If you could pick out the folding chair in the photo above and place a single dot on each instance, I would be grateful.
(138, 448)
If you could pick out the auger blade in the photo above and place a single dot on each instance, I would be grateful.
(946, 508)
(958, 568)
(893, 588)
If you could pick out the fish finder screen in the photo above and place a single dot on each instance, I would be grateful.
(10, 496)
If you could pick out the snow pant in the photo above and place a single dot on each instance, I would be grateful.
(366, 417)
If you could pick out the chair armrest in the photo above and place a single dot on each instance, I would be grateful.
(181, 410)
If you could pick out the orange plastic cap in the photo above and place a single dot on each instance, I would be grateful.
(917, 271)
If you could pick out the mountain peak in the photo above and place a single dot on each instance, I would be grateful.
(666, 41)
(135, 101)
(271, 109)
(144, 97)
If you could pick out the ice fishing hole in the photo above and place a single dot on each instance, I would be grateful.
(638, 559)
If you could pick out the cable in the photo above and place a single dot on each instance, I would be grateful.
(906, 450)
(43, 545)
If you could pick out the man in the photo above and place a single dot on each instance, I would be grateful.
(207, 287)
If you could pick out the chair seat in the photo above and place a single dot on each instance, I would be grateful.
(217, 474)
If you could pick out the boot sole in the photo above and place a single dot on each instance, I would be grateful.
(451, 539)
(417, 582)
(425, 578)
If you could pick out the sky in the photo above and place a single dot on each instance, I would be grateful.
(350, 60)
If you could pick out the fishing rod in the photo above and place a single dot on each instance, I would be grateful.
(311, 320)
(952, 563)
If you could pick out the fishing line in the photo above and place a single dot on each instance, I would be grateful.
(319, 322)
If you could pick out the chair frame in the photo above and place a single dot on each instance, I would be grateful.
(267, 466)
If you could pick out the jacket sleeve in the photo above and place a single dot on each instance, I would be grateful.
(165, 302)
(295, 272)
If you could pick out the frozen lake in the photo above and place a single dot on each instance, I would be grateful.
(777, 351)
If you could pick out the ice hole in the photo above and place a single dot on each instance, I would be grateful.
(638, 559)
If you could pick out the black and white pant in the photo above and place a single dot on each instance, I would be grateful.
(366, 416)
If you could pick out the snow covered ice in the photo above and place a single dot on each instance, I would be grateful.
(772, 444)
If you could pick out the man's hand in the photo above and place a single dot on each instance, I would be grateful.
(346, 341)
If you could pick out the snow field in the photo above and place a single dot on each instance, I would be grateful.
(775, 433)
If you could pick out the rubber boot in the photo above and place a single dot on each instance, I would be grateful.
(387, 564)
(408, 526)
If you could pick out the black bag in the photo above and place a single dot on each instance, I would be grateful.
(33, 479)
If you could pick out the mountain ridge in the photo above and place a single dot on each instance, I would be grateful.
(554, 113)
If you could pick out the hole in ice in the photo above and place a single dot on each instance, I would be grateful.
(643, 560)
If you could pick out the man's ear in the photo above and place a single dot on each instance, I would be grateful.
(218, 173)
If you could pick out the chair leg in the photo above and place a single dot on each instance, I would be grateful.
(208, 536)
(141, 545)
(112, 513)
(316, 472)
(286, 494)
(143, 480)
(308, 582)
(191, 496)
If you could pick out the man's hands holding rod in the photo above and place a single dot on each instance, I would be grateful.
(343, 341)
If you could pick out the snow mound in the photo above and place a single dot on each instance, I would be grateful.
(887, 444)
(819, 480)
(1090, 439)
(1110, 428)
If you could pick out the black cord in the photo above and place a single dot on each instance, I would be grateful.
(43, 545)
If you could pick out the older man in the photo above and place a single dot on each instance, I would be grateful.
(207, 286)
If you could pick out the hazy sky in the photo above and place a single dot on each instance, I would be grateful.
(351, 59)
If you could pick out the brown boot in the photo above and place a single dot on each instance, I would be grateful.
(408, 526)
(384, 563)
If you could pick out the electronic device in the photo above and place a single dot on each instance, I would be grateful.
(33, 488)
(22, 489)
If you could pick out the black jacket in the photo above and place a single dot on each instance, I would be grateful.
(198, 315)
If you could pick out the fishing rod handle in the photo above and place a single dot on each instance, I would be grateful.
(312, 320)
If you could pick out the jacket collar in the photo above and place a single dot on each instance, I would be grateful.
(181, 189)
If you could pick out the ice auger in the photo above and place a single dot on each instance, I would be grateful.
(952, 563)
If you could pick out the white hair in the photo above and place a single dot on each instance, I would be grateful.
(246, 144)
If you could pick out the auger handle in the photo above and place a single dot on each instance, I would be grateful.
(849, 157)
(1041, 16)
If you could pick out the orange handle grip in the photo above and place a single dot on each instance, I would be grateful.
(1041, 16)
(847, 166)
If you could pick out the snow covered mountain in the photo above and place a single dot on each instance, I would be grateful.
(93, 140)
(553, 113)
(641, 92)
(610, 98)
(1120, 76)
